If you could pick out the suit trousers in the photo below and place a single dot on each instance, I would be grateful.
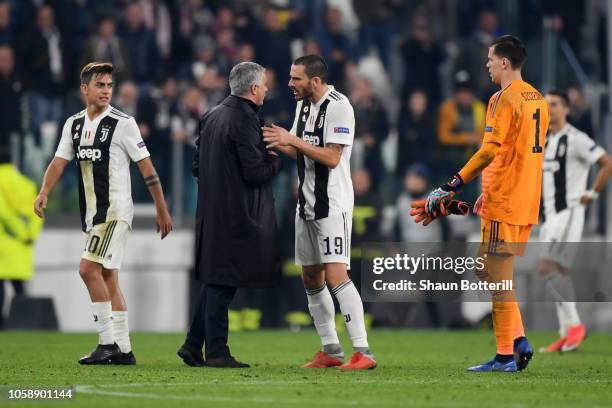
(210, 321)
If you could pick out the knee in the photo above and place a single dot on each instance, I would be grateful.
(87, 274)
(311, 281)
(312, 278)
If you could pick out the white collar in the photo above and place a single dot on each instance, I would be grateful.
(565, 129)
(330, 88)
(100, 116)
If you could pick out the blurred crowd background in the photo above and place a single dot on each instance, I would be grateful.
(413, 70)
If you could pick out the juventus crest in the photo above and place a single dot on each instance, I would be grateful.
(104, 131)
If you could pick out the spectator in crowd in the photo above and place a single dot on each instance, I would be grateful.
(422, 57)
(44, 64)
(273, 43)
(225, 34)
(184, 130)
(10, 98)
(417, 182)
(130, 102)
(106, 46)
(371, 128)
(74, 20)
(375, 28)
(280, 106)
(473, 53)
(417, 140)
(143, 55)
(367, 214)
(165, 100)
(336, 46)
(367, 219)
(461, 122)
(213, 84)
(244, 53)
(7, 34)
(206, 58)
(580, 112)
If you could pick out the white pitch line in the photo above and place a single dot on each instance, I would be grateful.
(92, 390)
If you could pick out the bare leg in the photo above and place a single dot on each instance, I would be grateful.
(91, 273)
(111, 279)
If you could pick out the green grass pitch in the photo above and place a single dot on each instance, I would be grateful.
(416, 368)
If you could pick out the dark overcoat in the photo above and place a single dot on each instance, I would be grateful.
(237, 239)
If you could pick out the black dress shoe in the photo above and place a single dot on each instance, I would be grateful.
(224, 362)
(124, 359)
(191, 356)
(103, 354)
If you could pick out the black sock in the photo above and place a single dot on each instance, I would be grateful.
(504, 358)
(518, 340)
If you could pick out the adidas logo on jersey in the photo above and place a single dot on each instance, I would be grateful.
(312, 139)
(89, 153)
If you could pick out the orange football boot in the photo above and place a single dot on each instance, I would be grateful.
(359, 361)
(575, 336)
(323, 360)
(554, 347)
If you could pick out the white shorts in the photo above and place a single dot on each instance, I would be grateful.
(562, 231)
(323, 241)
(105, 244)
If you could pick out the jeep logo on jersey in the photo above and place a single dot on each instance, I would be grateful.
(89, 154)
(310, 138)
(104, 132)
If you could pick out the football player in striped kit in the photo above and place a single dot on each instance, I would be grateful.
(104, 141)
(568, 157)
(320, 140)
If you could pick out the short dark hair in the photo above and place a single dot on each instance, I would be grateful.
(511, 47)
(561, 94)
(315, 66)
(96, 68)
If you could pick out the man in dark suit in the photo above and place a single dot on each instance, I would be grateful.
(236, 230)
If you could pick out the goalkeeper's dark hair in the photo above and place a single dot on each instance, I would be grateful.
(94, 69)
(511, 47)
(562, 95)
(315, 66)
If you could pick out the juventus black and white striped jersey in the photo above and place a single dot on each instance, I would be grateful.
(103, 149)
(568, 156)
(324, 191)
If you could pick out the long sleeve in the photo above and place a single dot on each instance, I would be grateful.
(258, 166)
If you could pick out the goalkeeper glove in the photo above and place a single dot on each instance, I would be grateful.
(433, 204)
(453, 207)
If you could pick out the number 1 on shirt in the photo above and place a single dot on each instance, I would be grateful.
(537, 148)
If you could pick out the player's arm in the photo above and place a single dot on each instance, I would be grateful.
(288, 150)
(603, 175)
(472, 169)
(499, 119)
(151, 179)
(52, 176)
(278, 137)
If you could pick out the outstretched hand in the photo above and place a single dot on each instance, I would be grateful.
(276, 136)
